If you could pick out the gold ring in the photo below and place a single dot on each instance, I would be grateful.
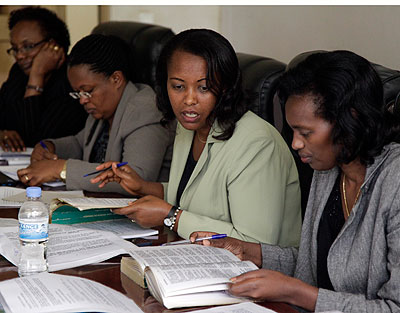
(26, 177)
(56, 48)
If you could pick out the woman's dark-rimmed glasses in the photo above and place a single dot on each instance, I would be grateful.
(25, 48)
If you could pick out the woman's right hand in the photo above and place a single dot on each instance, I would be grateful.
(124, 175)
(39, 153)
(10, 140)
(245, 251)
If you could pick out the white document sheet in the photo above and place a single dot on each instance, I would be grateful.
(68, 246)
(245, 307)
(21, 159)
(6, 192)
(51, 293)
(123, 228)
(19, 195)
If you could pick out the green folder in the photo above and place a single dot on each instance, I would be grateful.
(67, 214)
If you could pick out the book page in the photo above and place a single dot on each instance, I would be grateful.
(182, 254)
(48, 293)
(96, 203)
(178, 279)
(68, 246)
(244, 307)
(123, 228)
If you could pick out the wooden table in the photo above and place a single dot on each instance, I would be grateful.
(108, 273)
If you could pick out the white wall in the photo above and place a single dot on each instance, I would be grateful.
(81, 19)
(176, 17)
(282, 32)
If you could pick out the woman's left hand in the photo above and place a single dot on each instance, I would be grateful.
(41, 172)
(148, 211)
(274, 286)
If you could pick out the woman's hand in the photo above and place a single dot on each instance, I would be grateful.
(246, 251)
(148, 211)
(10, 140)
(50, 57)
(39, 153)
(41, 172)
(274, 286)
(124, 175)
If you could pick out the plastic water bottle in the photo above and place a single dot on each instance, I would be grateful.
(33, 221)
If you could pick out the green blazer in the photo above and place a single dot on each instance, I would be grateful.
(246, 187)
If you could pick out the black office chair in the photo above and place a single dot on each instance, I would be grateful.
(259, 76)
(146, 42)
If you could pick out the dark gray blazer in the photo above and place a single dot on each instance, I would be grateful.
(136, 137)
(364, 260)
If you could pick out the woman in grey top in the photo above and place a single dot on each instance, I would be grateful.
(349, 254)
(123, 123)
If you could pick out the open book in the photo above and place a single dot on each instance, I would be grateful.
(186, 275)
(55, 293)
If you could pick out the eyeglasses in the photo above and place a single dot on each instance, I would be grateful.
(78, 95)
(24, 49)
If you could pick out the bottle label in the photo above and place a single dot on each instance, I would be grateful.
(33, 231)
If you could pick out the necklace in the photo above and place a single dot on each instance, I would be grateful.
(198, 137)
(344, 196)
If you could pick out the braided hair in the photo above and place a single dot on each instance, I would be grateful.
(103, 54)
(52, 26)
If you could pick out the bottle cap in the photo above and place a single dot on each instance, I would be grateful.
(33, 192)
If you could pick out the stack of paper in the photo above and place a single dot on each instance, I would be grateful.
(54, 293)
(68, 246)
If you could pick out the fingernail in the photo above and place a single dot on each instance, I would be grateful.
(233, 279)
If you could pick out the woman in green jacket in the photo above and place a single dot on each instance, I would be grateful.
(231, 171)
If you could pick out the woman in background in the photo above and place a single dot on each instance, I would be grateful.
(123, 123)
(348, 259)
(34, 101)
(231, 171)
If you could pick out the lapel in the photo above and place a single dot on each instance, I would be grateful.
(116, 124)
(341, 247)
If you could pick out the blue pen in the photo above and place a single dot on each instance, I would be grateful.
(106, 169)
(182, 242)
(43, 145)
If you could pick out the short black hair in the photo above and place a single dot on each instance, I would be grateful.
(103, 54)
(347, 93)
(223, 76)
(52, 26)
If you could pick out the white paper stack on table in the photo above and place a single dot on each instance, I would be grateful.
(22, 158)
(14, 197)
(69, 246)
(54, 293)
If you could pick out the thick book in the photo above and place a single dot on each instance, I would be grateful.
(186, 275)
(55, 293)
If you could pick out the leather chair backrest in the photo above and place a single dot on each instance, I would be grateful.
(146, 42)
(259, 77)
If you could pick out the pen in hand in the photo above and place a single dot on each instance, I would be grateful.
(43, 145)
(181, 242)
(106, 169)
